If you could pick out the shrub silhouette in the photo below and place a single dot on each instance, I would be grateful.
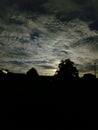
(88, 76)
(67, 69)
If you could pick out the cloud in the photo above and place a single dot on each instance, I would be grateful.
(43, 41)
(47, 67)
(63, 9)
(69, 9)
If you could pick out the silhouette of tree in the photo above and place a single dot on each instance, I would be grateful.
(32, 73)
(67, 69)
(88, 76)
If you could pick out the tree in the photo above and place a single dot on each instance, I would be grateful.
(67, 70)
(89, 76)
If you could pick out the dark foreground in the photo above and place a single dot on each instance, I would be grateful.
(47, 103)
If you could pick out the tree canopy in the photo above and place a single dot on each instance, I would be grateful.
(67, 70)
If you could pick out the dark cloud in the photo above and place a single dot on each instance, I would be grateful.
(81, 1)
(35, 34)
(90, 42)
(18, 63)
(81, 42)
(42, 32)
(16, 20)
(1, 29)
(24, 5)
(63, 9)
(47, 66)
(1, 44)
(94, 25)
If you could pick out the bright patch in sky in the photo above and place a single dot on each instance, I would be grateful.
(44, 41)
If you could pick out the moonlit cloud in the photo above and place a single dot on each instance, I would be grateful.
(42, 40)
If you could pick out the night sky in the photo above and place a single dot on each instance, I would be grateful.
(40, 33)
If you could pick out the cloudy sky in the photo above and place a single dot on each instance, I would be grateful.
(40, 33)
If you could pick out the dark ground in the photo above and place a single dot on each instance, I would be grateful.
(47, 103)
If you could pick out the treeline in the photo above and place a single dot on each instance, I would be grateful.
(66, 71)
(66, 78)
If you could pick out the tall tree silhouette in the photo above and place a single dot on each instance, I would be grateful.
(67, 70)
